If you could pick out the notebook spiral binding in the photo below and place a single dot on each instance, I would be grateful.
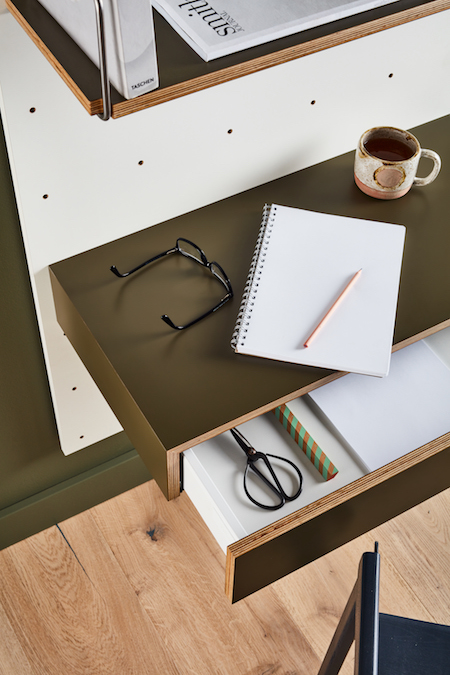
(254, 275)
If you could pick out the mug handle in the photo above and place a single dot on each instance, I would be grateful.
(430, 154)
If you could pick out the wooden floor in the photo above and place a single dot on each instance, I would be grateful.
(135, 585)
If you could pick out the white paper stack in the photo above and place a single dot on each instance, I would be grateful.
(383, 419)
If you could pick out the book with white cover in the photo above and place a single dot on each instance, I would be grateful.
(129, 35)
(301, 263)
(215, 28)
(383, 419)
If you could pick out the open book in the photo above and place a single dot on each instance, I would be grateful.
(214, 28)
(302, 262)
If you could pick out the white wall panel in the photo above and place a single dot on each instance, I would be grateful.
(97, 190)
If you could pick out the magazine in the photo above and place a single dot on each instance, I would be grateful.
(215, 28)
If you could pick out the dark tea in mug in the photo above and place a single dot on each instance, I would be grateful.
(389, 149)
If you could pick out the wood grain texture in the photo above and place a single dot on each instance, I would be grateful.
(64, 621)
(135, 585)
(12, 657)
(93, 108)
(164, 94)
(173, 562)
(423, 535)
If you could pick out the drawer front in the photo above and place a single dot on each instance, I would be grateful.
(263, 558)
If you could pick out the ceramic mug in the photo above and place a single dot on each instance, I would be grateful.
(386, 163)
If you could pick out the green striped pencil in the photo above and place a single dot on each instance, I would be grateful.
(298, 432)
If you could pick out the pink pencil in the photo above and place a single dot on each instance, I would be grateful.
(332, 308)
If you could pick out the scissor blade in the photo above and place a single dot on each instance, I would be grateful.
(242, 442)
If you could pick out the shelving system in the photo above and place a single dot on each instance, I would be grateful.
(210, 133)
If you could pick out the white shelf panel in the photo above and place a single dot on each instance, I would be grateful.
(97, 190)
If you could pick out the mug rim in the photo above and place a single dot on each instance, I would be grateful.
(363, 148)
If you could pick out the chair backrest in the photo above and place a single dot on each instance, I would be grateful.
(384, 643)
(359, 622)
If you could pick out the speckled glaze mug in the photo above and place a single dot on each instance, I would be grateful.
(386, 163)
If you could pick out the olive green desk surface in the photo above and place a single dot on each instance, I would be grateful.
(172, 389)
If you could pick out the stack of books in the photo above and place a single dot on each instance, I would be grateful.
(129, 36)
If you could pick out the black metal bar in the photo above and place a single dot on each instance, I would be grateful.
(367, 623)
(342, 638)
(106, 89)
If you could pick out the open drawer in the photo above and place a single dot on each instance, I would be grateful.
(264, 545)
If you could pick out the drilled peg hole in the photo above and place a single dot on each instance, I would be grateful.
(32, 110)
(44, 196)
(230, 131)
(141, 161)
(313, 103)
(391, 74)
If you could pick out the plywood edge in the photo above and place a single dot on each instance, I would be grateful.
(92, 107)
(173, 475)
(332, 500)
(268, 407)
(277, 58)
(422, 335)
(257, 412)
(165, 94)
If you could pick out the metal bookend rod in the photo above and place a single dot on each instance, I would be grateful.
(106, 89)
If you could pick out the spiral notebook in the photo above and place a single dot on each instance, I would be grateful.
(301, 263)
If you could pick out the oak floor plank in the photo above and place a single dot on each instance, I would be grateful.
(178, 571)
(12, 656)
(136, 585)
(418, 544)
(146, 652)
(63, 623)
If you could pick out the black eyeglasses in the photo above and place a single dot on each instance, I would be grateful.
(189, 250)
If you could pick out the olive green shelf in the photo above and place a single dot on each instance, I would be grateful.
(181, 70)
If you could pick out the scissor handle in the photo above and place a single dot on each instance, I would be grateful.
(277, 488)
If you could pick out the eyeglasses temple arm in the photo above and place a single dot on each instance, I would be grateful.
(115, 271)
(170, 323)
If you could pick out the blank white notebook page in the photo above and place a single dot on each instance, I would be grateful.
(306, 260)
(383, 419)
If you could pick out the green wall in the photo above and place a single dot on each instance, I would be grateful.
(39, 486)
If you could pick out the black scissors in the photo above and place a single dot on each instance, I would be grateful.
(252, 457)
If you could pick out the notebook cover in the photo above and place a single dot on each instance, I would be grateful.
(303, 260)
